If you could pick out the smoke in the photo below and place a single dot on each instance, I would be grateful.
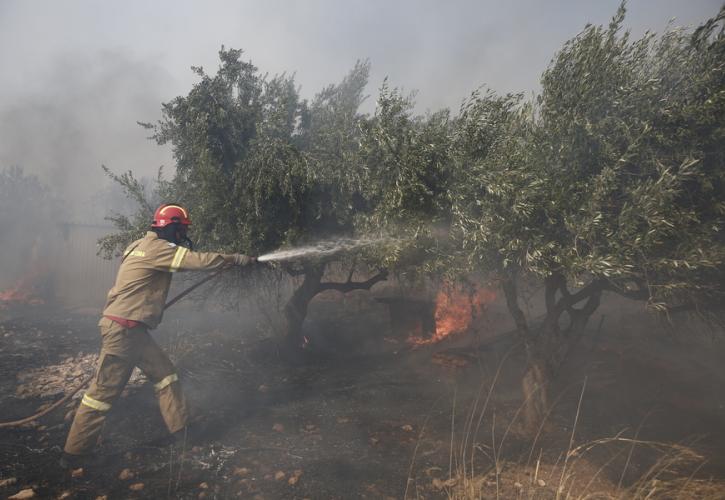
(77, 76)
(84, 115)
(71, 117)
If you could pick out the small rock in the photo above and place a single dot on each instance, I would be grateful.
(439, 484)
(310, 427)
(23, 494)
(204, 486)
(8, 482)
(136, 487)
(279, 475)
(407, 428)
(278, 428)
(342, 420)
(295, 477)
(374, 441)
(518, 485)
(126, 474)
(541, 482)
(76, 473)
(64, 495)
(263, 388)
(240, 471)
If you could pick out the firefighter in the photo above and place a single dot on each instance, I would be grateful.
(135, 305)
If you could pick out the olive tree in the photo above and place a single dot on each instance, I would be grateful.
(611, 181)
(259, 168)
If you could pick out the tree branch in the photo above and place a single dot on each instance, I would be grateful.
(642, 292)
(349, 286)
(570, 299)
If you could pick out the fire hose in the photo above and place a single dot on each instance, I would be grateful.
(87, 380)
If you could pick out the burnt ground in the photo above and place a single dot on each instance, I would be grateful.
(361, 416)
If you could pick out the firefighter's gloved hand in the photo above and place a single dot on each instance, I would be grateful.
(239, 259)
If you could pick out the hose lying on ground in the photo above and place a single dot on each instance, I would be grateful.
(27, 420)
(87, 380)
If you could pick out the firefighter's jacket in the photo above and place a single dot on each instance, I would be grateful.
(143, 280)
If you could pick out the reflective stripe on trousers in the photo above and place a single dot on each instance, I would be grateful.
(94, 403)
(166, 381)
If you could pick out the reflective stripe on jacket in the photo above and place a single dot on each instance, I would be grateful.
(144, 277)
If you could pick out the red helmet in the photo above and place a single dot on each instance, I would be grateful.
(169, 213)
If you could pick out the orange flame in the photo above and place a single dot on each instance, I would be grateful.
(455, 308)
(22, 292)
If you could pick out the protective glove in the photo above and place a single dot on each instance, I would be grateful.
(238, 259)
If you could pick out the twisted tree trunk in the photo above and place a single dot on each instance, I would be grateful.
(548, 347)
(295, 311)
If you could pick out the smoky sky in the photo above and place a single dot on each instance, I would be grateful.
(77, 75)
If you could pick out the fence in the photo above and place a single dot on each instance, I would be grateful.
(80, 278)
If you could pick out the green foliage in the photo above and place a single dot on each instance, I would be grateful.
(616, 175)
(502, 210)
(132, 227)
(257, 166)
(613, 175)
(405, 168)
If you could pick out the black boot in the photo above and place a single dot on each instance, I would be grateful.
(71, 462)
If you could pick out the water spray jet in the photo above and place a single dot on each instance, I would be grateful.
(320, 249)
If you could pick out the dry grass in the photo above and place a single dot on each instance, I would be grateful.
(578, 475)
(481, 468)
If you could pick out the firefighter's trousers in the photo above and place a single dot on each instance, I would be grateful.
(122, 349)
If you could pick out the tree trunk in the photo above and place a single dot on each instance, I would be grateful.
(535, 390)
(535, 381)
(549, 346)
(295, 310)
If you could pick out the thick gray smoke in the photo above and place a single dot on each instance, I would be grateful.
(78, 75)
(75, 115)
(80, 115)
